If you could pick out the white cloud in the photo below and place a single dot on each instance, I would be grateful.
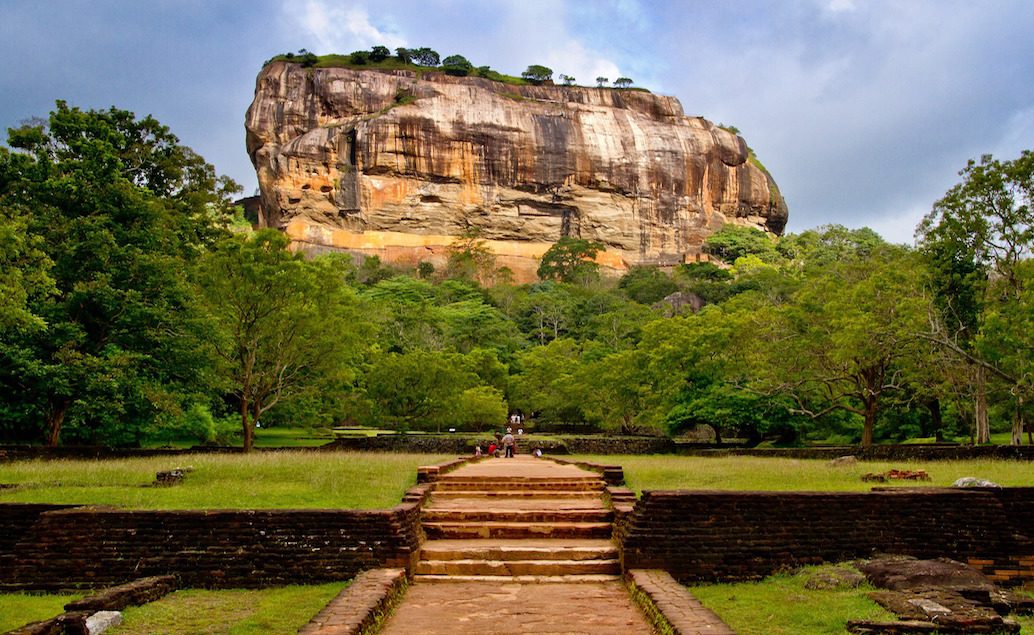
(840, 6)
(585, 66)
(336, 29)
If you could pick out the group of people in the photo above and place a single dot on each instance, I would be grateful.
(506, 445)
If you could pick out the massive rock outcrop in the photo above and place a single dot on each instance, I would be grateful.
(399, 165)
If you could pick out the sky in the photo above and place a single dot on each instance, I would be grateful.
(864, 111)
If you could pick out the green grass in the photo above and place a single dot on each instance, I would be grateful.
(775, 474)
(288, 479)
(780, 605)
(18, 609)
(236, 612)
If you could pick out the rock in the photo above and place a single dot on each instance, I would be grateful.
(900, 573)
(700, 433)
(835, 578)
(102, 621)
(680, 303)
(399, 164)
(897, 475)
(949, 610)
(168, 478)
(972, 481)
(844, 461)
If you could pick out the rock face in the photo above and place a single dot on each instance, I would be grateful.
(400, 165)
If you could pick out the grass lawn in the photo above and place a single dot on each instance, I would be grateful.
(780, 605)
(18, 609)
(236, 611)
(762, 473)
(288, 479)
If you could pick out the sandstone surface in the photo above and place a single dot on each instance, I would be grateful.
(399, 164)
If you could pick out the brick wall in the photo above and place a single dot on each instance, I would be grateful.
(902, 452)
(710, 535)
(225, 548)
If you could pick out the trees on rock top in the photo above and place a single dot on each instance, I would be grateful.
(537, 74)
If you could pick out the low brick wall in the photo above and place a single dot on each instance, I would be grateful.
(711, 535)
(87, 546)
(903, 452)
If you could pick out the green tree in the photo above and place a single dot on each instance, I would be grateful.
(601, 82)
(379, 53)
(404, 55)
(470, 258)
(420, 389)
(548, 383)
(570, 260)
(647, 285)
(838, 344)
(623, 82)
(108, 208)
(567, 80)
(480, 408)
(457, 65)
(537, 74)
(976, 237)
(733, 241)
(425, 56)
(280, 323)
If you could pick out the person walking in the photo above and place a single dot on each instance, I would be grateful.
(508, 443)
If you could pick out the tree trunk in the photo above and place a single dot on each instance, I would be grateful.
(980, 418)
(936, 422)
(626, 424)
(246, 425)
(55, 418)
(870, 420)
(1016, 438)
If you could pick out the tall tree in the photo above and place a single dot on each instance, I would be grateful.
(111, 207)
(837, 343)
(570, 260)
(281, 323)
(976, 238)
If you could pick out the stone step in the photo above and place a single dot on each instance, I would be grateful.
(490, 529)
(522, 579)
(516, 515)
(517, 494)
(510, 550)
(542, 502)
(482, 483)
(518, 567)
(445, 486)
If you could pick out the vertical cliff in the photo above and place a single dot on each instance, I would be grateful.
(398, 165)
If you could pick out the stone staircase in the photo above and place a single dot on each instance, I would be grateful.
(524, 519)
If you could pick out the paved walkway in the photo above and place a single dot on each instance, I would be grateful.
(518, 545)
(523, 545)
(577, 608)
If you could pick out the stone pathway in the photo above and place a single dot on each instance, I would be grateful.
(519, 545)
(490, 608)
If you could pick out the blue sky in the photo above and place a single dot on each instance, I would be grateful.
(864, 111)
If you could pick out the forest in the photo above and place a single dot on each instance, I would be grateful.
(136, 300)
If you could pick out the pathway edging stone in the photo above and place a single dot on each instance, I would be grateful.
(671, 607)
(361, 606)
